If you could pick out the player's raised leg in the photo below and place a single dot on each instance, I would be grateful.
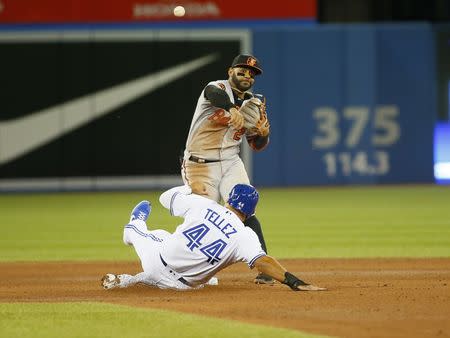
(145, 243)
(141, 212)
(136, 233)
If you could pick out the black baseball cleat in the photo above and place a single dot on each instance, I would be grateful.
(264, 279)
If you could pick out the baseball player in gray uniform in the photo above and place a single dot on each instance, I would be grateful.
(211, 163)
(211, 238)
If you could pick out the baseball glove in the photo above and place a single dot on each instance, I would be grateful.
(251, 111)
(262, 127)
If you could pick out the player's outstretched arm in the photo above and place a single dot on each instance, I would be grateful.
(270, 266)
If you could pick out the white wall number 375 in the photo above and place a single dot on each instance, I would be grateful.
(385, 127)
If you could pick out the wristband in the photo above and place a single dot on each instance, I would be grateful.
(292, 281)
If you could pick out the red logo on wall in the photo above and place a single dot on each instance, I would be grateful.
(77, 11)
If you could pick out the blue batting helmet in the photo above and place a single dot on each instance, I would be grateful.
(244, 198)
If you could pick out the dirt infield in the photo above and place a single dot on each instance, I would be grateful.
(366, 297)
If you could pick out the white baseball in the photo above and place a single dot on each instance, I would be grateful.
(179, 11)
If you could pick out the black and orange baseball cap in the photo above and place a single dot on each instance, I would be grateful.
(247, 61)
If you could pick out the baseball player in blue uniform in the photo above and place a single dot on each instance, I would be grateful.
(222, 118)
(211, 238)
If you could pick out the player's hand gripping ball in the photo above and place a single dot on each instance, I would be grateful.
(251, 111)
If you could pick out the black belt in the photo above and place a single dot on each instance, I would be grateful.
(181, 279)
(201, 160)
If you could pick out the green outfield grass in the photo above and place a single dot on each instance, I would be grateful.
(105, 320)
(390, 221)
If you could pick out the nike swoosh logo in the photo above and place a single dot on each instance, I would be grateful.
(22, 135)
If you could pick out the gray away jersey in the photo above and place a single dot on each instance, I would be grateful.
(208, 139)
